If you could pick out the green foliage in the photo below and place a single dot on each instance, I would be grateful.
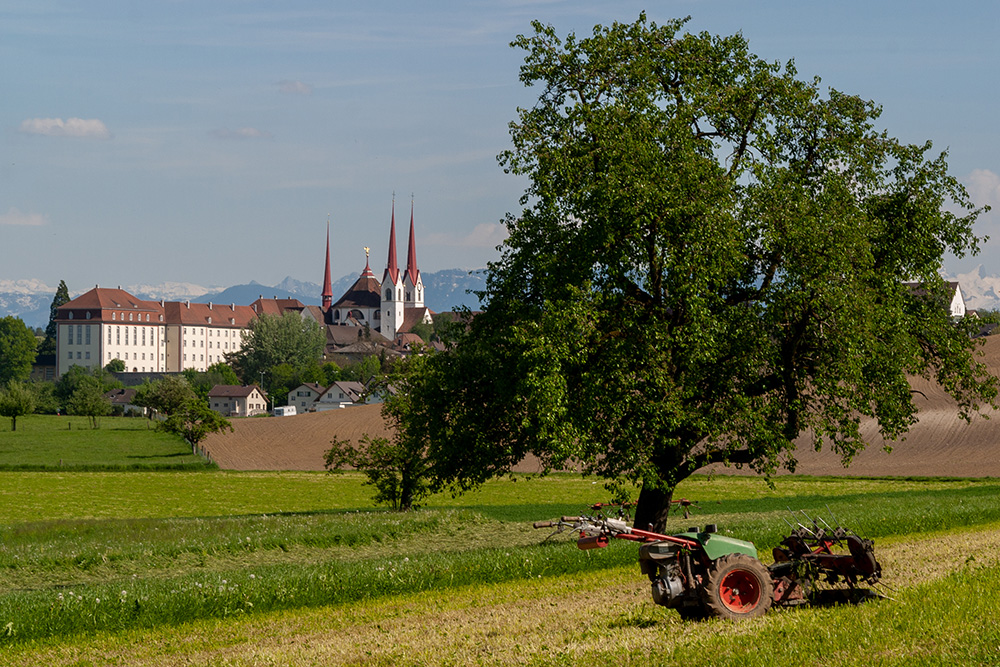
(399, 468)
(46, 402)
(272, 340)
(424, 330)
(168, 396)
(88, 400)
(78, 376)
(16, 400)
(400, 476)
(203, 381)
(711, 262)
(61, 297)
(195, 421)
(115, 366)
(17, 349)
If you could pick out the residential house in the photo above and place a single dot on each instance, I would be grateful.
(304, 396)
(237, 401)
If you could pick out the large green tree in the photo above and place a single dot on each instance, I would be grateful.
(710, 264)
(61, 297)
(17, 349)
(272, 340)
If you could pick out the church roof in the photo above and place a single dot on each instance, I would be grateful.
(412, 272)
(391, 267)
(364, 293)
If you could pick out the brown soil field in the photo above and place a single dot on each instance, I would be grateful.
(939, 444)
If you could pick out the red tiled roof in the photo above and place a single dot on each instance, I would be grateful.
(208, 314)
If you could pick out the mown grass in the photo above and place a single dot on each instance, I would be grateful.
(294, 541)
(51, 442)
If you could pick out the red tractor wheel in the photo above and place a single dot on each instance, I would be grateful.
(737, 587)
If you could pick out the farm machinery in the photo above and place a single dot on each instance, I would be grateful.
(702, 573)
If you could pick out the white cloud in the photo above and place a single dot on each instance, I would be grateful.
(241, 133)
(984, 187)
(71, 127)
(295, 87)
(485, 235)
(15, 217)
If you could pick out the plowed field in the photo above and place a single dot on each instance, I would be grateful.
(940, 444)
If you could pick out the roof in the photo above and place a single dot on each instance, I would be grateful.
(351, 390)
(314, 386)
(100, 302)
(208, 314)
(233, 391)
(342, 334)
(412, 272)
(413, 316)
(364, 293)
(120, 396)
(391, 267)
(264, 306)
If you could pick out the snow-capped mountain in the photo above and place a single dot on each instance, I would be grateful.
(980, 292)
(30, 299)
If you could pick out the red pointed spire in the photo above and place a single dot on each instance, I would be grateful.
(392, 269)
(327, 284)
(411, 254)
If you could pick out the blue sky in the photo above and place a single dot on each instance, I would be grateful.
(207, 141)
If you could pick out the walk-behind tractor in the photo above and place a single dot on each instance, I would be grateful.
(701, 573)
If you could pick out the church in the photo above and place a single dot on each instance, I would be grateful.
(390, 307)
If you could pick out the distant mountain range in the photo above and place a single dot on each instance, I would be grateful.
(444, 290)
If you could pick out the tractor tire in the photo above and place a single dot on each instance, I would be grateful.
(737, 587)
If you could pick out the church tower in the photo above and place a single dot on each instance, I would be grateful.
(327, 284)
(392, 287)
(413, 286)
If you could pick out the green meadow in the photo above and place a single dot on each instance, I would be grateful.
(89, 561)
(47, 442)
(131, 550)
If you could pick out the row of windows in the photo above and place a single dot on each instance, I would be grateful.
(211, 332)
(114, 316)
(135, 336)
(81, 332)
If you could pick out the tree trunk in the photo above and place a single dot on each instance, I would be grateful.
(653, 509)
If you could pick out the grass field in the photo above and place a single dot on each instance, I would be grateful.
(49, 442)
(295, 568)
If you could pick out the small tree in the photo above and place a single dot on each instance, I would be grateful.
(398, 468)
(88, 400)
(168, 396)
(16, 400)
(195, 421)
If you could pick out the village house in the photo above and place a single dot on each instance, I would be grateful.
(237, 401)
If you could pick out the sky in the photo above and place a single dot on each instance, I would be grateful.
(209, 141)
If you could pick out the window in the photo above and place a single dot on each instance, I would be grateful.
(70, 354)
(109, 335)
(79, 334)
(77, 355)
(118, 335)
(130, 316)
(88, 333)
(114, 316)
(86, 355)
(388, 295)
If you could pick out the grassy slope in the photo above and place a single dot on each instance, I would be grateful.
(313, 554)
(52, 442)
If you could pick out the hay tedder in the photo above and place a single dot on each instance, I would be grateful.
(701, 573)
